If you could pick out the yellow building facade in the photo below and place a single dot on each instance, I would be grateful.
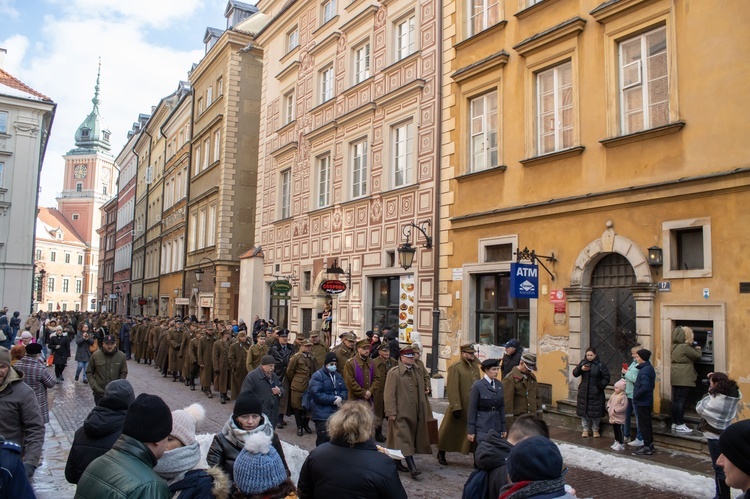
(599, 134)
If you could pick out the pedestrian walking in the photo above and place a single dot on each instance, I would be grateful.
(381, 365)
(265, 384)
(328, 392)
(643, 400)
(512, 356)
(345, 350)
(59, 345)
(220, 364)
(174, 342)
(486, 407)
(238, 352)
(125, 343)
(205, 360)
(318, 350)
(359, 373)
(84, 345)
(106, 365)
(520, 390)
(15, 325)
(282, 352)
(682, 374)
(591, 399)
(37, 376)
(6, 333)
(257, 351)
(299, 371)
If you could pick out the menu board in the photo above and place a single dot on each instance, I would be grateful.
(406, 308)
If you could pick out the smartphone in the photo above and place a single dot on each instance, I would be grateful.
(624, 365)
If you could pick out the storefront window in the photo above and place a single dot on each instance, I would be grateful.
(280, 310)
(500, 317)
(385, 309)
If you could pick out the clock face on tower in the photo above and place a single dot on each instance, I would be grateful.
(80, 171)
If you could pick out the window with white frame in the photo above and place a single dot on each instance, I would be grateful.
(206, 152)
(405, 37)
(217, 144)
(193, 229)
(328, 10)
(482, 15)
(219, 86)
(483, 149)
(209, 95)
(292, 39)
(200, 106)
(361, 63)
(202, 228)
(687, 248)
(403, 154)
(2, 174)
(79, 286)
(359, 168)
(289, 107)
(211, 231)
(644, 81)
(324, 180)
(554, 92)
(326, 83)
(285, 194)
(3, 122)
(197, 160)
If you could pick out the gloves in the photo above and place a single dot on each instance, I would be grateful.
(457, 414)
(337, 401)
(30, 469)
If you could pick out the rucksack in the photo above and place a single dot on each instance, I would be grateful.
(476, 485)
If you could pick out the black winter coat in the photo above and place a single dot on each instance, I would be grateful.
(490, 456)
(282, 356)
(62, 354)
(99, 432)
(591, 398)
(223, 454)
(336, 469)
(643, 388)
(511, 361)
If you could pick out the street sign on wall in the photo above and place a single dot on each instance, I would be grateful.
(524, 280)
(281, 287)
(332, 287)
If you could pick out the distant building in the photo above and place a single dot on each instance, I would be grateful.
(25, 122)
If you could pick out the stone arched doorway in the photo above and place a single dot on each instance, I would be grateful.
(579, 293)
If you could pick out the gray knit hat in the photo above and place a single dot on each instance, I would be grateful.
(258, 467)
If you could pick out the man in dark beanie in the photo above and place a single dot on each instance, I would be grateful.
(643, 400)
(127, 469)
(535, 466)
(734, 444)
(265, 384)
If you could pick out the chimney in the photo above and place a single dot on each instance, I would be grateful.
(2, 57)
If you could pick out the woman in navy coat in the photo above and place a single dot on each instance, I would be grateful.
(486, 404)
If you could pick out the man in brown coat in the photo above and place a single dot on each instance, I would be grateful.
(184, 352)
(345, 350)
(175, 341)
(238, 352)
(406, 411)
(520, 390)
(205, 360)
(162, 347)
(154, 331)
(220, 363)
(319, 350)
(258, 350)
(301, 367)
(461, 375)
(381, 365)
(359, 373)
(194, 360)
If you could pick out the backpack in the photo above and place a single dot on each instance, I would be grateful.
(476, 485)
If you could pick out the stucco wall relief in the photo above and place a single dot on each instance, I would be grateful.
(549, 344)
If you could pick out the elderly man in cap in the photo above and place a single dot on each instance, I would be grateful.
(512, 357)
(106, 365)
(407, 411)
(520, 390)
(461, 376)
(20, 418)
(127, 470)
(734, 444)
(265, 384)
(345, 350)
(359, 373)
(381, 365)
(301, 367)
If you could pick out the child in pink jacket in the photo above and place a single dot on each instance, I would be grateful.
(616, 407)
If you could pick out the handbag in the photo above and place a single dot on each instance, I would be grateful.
(94, 346)
(432, 431)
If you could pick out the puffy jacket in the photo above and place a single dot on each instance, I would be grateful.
(324, 388)
(682, 372)
(202, 484)
(105, 367)
(591, 399)
(20, 418)
(367, 473)
(490, 456)
(630, 378)
(643, 390)
(100, 430)
(126, 471)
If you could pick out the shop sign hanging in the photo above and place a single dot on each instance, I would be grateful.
(281, 287)
(333, 287)
(524, 280)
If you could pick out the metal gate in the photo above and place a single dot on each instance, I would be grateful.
(613, 331)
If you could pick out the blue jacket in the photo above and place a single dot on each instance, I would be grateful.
(643, 389)
(486, 409)
(13, 480)
(324, 388)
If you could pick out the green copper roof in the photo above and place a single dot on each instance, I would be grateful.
(92, 135)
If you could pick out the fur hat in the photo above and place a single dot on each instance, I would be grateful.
(33, 348)
(258, 467)
(184, 421)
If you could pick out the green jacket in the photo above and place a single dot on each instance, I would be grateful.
(125, 471)
(682, 372)
(105, 367)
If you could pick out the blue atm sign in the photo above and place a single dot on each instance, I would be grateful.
(524, 280)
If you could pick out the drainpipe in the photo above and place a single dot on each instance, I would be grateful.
(436, 225)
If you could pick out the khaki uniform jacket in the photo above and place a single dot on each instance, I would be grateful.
(301, 367)
(154, 333)
(205, 358)
(105, 367)
(193, 352)
(175, 340)
(162, 347)
(220, 362)
(342, 355)
(136, 336)
(461, 375)
(256, 352)
(404, 398)
(521, 396)
(357, 391)
(381, 368)
(184, 355)
(319, 351)
(238, 365)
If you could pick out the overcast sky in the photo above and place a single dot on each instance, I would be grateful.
(146, 47)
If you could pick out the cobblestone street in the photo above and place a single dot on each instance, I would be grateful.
(74, 400)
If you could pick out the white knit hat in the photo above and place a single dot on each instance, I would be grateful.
(184, 421)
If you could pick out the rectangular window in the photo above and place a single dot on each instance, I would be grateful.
(76, 216)
(292, 39)
(217, 144)
(64, 306)
(361, 63)
(483, 133)
(359, 169)
(200, 106)
(324, 181)
(67, 257)
(193, 231)
(644, 81)
(554, 89)
(52, 256)
(285, 194)
(2, 174)
(403, 152)
(66, 284)
(405, 38)
(79, 286)
(484, 13)
(206, 152)
(385, 308)
(38, 254)
(498, 316)
(3, 122)
(326, 84)
(329, 10)
(209, 95)
(51, 284)
(77, 307)
(202, 228)
(211, 236)
(79, 187)
(80, 259)
(289, 107)
(104, 190)
(197, 159)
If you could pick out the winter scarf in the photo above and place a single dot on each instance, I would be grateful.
(522, 490)
(237, 436)
(717, 411)
(173, 464)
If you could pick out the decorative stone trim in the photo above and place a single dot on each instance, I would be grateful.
(481, 173)
(367, 14)
(411, 87)
(553, 156)
(485, 33)
(530, 10)
(607, 10)
(293, 67)
(564, 30)
(651, 133)
(496, 60)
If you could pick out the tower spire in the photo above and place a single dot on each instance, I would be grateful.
(95, 100)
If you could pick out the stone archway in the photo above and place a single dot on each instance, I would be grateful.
(579, 294)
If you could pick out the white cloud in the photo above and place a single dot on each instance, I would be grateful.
(16, 46)
(149, 12)
(7, 10)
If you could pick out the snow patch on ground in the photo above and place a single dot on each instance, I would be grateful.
(658, 477)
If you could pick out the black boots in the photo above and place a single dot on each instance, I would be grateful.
(379, 434)
(299, 431)
(208, 393)
(401, 467)
(224, 398)
(645, 450)
(441, 458)
(413, 471)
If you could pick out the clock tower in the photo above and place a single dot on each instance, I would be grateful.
(89, 182)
